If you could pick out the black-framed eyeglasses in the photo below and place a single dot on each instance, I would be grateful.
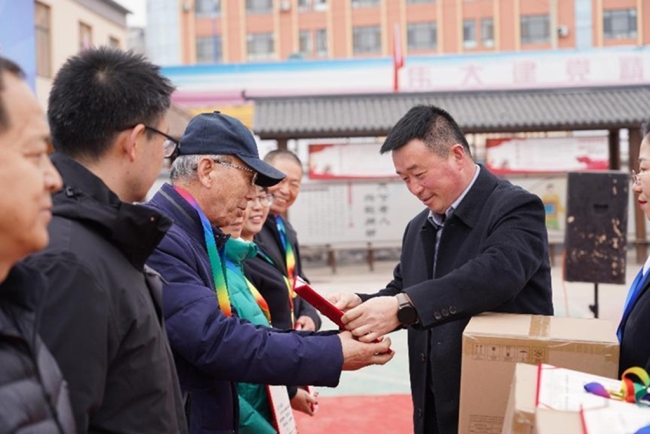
(169, 146)
(265, 200)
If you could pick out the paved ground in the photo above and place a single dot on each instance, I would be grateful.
(570, 299)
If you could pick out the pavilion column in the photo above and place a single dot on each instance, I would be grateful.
(282, 144)
(640, 240)
(614, 150)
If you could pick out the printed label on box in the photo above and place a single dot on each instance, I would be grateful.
(480, 424)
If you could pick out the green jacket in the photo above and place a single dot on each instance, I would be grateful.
(254, 408)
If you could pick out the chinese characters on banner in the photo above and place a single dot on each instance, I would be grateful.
(376, 210)
(532, 71)
(328, 212)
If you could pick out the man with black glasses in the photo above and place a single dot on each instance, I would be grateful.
(102, 318)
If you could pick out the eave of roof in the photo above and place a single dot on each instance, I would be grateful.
(475, 111)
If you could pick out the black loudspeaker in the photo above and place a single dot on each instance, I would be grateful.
(596, 227)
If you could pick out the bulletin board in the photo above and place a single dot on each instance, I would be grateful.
(329, 212)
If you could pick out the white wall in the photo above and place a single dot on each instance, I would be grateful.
(64, 27)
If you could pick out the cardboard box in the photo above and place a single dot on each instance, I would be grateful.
(563, 405)
(553, 394)
(520, 412)
(493, 343)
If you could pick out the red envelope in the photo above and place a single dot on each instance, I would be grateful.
(321, 304)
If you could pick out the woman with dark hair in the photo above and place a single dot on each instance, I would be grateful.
(283, 305)
(634, 329)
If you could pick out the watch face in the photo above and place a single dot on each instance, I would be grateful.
(406, 315)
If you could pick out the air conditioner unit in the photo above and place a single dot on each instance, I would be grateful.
(563, 31)
(285, 6)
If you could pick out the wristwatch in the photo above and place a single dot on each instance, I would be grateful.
(406, 313)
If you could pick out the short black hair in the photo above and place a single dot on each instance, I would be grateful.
(100, 92)
(282, 153)
(7, 66)
(431, 124)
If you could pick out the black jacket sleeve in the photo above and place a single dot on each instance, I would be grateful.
(75, 323)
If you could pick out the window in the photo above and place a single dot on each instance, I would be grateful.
(535, 29)
(43, 40)
(305, 46)
(208, 49)
(207, 7)
(85, 36)
(259, 6)
(260, 46)
(619, 23)
(364, 3)
(308, 39)
(321, 42)
(469, 33)
(411, 2)
(487, 32)
(366, 40)
(113, 42)
(308, 5)
(320, 5)
(422, 36)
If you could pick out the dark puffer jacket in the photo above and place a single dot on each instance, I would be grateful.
(33, 395)
(102, 316)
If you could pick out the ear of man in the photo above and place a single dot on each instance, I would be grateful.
(130, 141)
(206, 173)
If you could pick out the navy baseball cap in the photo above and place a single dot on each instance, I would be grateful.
(216, 133)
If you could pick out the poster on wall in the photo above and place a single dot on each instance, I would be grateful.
(552, 190)
(17, 41)
(546, 155)
(349, 161)
(329, 212)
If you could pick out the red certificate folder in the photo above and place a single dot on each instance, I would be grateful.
(321, 304)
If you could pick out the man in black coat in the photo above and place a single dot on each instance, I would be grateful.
(480, 245)
(103, 317)
(277, 240)
(33, 394)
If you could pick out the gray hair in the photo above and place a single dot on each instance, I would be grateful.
(184, 166)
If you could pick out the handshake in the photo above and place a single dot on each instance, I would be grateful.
(361, 346)
(367, 330)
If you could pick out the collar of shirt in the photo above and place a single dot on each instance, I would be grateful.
(646, 266)
(438, 220)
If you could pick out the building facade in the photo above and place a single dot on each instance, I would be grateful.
(239, 31)
(65, 27)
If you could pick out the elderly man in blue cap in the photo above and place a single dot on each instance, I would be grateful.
(213, 176)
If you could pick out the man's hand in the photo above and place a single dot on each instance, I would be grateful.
(345, 301)
(306, 324)
(357, 355)
(304, 402)
(373, 319)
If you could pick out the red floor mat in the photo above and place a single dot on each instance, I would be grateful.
(389, 414)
